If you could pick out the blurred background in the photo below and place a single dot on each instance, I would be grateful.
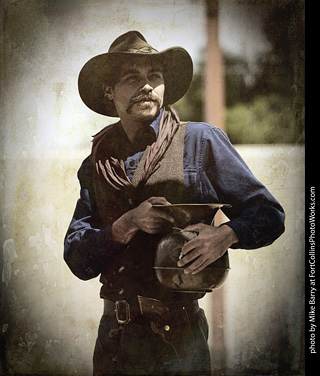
(248, 80)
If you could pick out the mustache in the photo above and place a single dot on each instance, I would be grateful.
(142, 97)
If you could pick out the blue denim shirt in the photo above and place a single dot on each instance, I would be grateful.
(213, 170)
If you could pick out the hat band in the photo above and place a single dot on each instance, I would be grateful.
(144, 50)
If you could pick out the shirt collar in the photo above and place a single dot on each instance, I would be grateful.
(156, 122)
(147, 137)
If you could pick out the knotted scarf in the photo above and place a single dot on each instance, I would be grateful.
(113, 169)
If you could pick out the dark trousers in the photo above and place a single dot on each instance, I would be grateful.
(134, 349)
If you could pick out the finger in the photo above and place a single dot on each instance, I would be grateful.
(156, 222)
(158, 201)
(154, 225)
(196, 227)
(191, 228)
(196, 267)
(163, 215)
(190, 245)
(189, 258)
(153, 230)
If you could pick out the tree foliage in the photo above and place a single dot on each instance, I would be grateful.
(271, 108)
(265, 119)
(265, 104)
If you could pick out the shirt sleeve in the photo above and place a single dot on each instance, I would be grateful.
(87, 247)
(256, 216)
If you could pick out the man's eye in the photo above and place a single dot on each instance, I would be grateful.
(156, 76)
(130, 78)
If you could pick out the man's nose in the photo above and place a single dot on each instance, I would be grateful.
(146, 88)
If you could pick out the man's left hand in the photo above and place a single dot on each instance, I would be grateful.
(211, 243)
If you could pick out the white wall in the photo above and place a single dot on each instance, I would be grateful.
(263, 305)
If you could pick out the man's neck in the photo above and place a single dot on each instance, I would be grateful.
(134, 127)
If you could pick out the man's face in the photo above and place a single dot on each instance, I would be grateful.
(138, 94)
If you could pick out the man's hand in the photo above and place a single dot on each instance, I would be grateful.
(144, 217)
(207, 247)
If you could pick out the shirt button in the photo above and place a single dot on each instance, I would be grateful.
(121, 269)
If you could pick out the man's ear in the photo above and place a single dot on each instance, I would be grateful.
(107, 91)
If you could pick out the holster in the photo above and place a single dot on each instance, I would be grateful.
(174, 326)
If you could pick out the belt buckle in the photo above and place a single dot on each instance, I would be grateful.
(122, 309)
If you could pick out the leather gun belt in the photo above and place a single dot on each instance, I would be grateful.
(140, 311)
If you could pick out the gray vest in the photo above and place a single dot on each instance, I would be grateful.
(132, 273)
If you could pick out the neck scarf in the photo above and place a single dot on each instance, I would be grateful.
(113, 169)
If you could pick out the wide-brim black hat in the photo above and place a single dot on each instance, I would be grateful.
(176, 64)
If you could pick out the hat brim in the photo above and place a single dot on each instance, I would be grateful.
(177, 72)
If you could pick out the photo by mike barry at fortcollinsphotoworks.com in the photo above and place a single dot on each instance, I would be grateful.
(311, 273)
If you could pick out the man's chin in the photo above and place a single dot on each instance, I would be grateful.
(145, 110)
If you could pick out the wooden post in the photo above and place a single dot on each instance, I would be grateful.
(214, 114)
(214, 70)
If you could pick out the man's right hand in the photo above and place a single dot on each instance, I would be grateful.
(144, 217)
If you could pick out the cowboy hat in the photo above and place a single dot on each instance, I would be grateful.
(176, 64)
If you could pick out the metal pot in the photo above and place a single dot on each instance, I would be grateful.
(168, 253)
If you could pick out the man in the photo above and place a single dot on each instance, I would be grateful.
(148, 159)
